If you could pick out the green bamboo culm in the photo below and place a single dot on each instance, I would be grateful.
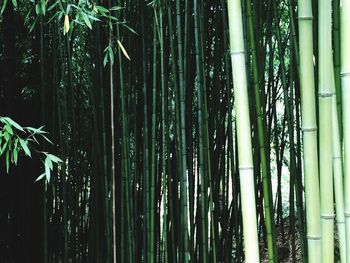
(325, 72)
(153, 147)
(203, 194)
(245, 158)
(336, 56)
(336, 142)
(185, 255)
(309, 128)
(345, 83)
(164, 107)
(338, 176)
(266, 180)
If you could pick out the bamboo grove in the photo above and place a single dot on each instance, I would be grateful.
(190, 131)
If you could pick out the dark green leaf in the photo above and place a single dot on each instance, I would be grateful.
(43, 6)
(7, 161)
(86, 20)
(8, 129)
(4, 4)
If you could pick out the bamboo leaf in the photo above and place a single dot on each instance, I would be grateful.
(123, 50)
(48, 162)
(48, 168)
(129, 28)
(101, 9)
(105, 59)
(13, 123)
(111, 55)
(4, 4)
(43, 7)
(7, 136)
(66, 24)
(36, 130)
(53, 5)
(116, 8)
(47, 139)
(86, 20)
(7, 161)
(32, 26)
(37, 9)
(15, 155)
(24, 145)
(40, 177)
(8, 129)
(54, 158)
(2, 150)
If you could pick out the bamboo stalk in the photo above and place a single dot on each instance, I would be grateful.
(338, 178)
(325, 75)
(245, 159)
(345, 83)
(309, 129)
(269, 219)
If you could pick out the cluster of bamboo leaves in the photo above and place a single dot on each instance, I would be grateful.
(15, 139)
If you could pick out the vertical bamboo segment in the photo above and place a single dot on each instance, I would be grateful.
(202, 174)
(245, 159)
(309, 128)
(184, 184)
(345, 82)
(153, 147)
(325, 121)
(336, 56)
(290, 123)
(111, 83)
(43, 105)
(338, 178)
(164, 114)
(268, 209)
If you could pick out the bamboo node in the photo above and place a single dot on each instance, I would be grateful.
(311, 237)
(245, 167)
(305, 18)
(309, 129)
(237, 52)
(325, 94)
(328, 217)
(344, 74)
(347, 214)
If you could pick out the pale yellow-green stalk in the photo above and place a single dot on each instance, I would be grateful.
(245, 159)
(309, 128)
(345, 82)
(325, 77)
(338, 178)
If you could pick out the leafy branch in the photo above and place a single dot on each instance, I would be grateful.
(15, 139)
